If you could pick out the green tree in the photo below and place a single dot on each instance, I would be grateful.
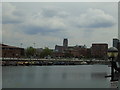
(46, 52)
(30, 52)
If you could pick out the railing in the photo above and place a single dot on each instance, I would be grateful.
(72, 59)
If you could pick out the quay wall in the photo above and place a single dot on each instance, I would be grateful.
(18, 61)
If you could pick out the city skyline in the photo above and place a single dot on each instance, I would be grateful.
(46, 24)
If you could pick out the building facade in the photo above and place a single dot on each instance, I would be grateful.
(99, 50)
(70, 51)
(118, 47)
(115, 42)
(65, 43)
(11, 51)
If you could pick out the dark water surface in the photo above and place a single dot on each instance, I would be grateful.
(79, 76)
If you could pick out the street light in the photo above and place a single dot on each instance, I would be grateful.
(112, 54)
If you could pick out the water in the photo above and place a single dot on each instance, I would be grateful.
(79, 76)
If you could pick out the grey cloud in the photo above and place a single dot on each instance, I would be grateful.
(18, 13)
(104, 24)
(42, 24)
(53, 12)
(63, 14)
(10, 15)
(10, 20)
(71, 20)
(32, 30)
(101, 25)
(48, 12)
(95, 18)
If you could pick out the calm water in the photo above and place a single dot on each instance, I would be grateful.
(81, 76)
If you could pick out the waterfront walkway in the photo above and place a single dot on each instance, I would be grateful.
(33, 61)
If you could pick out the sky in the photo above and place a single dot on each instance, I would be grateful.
(48, 23)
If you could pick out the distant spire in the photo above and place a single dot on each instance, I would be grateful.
(65, 42)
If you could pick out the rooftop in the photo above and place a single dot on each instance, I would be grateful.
(8, 46)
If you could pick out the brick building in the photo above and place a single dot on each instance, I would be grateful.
(65, 43)
(99, 50)
(115, 42)
(59, 48)
(70, 51)
(11, 51)
(77, 51)
(88, 53)
(118, 47)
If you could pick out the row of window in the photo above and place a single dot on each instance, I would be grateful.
(10, 48)
(12, 54)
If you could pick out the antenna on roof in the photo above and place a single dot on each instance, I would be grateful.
(21, 44)
(34, 45)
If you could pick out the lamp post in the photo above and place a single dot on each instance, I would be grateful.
(112, 54)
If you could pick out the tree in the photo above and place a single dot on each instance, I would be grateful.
(46, 52)
(30, 52)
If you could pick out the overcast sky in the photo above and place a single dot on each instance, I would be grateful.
(46, 24)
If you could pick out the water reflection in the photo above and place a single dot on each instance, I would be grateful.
(64, 75)
(86, 76)
(99, 75)
(45, 75)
